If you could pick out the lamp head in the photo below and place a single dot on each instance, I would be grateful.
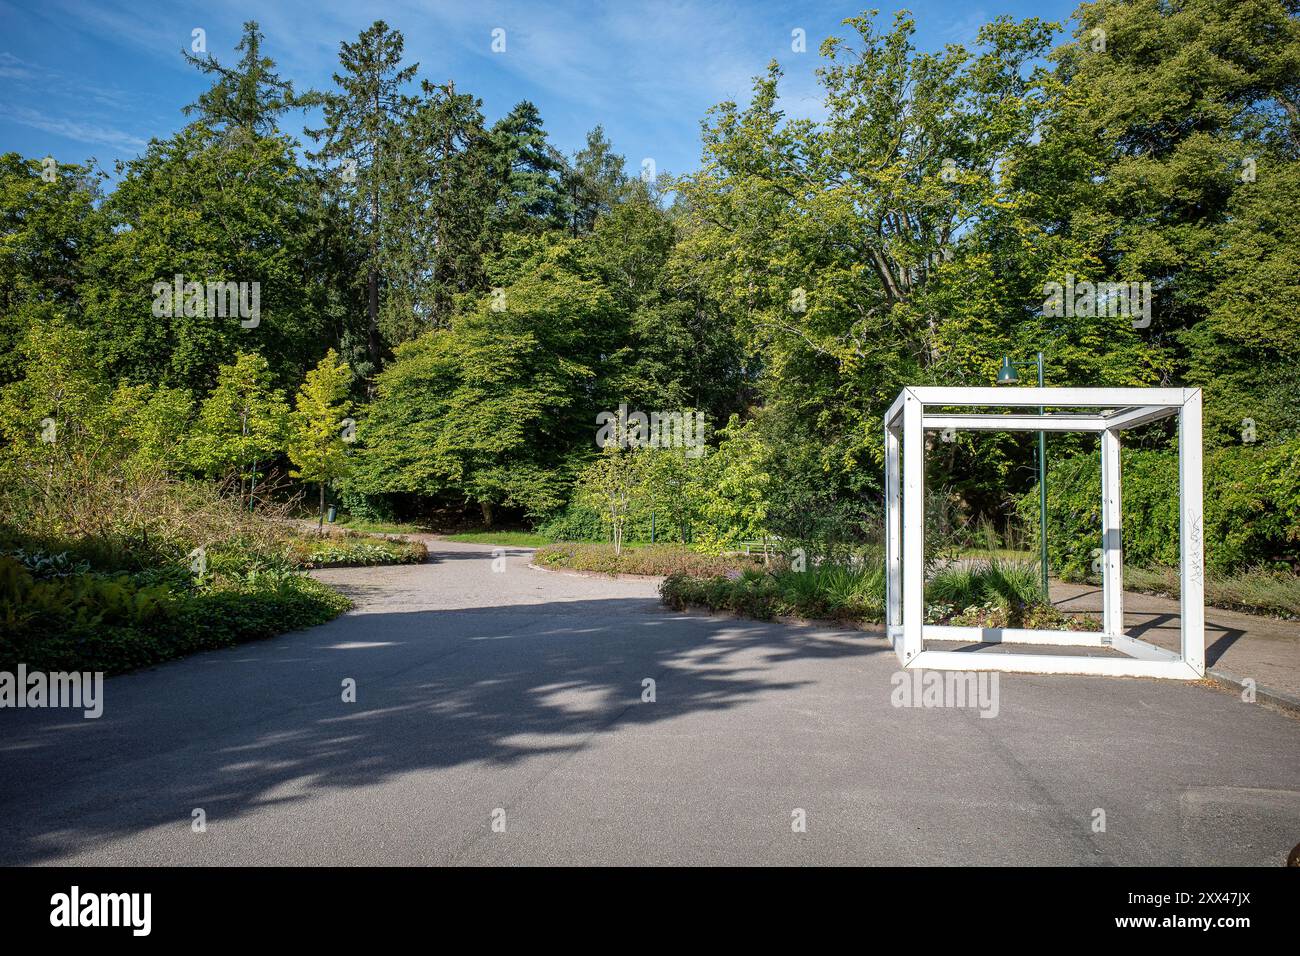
(1007, 374)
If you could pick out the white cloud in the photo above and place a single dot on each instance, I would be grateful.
(80, 132)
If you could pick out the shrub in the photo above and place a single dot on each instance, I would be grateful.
(355, 550)
(1038, 617)
(995, 593)
(368, 507)
(115, 623)
(835, 590)
(580, 522)
(577, 522)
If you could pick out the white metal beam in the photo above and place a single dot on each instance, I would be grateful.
(1143, 650)
(1191, 533)
(1004, 397)
(1112, 560)
(1051, 664)
(893, 533)
(1010, 635)
(913, 479)
(1016, 423)
(895, 410)
(1132, 417)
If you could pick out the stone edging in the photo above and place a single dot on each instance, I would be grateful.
(1277, 699)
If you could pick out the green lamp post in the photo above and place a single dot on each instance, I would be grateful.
(1008, 375)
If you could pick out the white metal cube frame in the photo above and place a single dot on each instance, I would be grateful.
(1108, 411)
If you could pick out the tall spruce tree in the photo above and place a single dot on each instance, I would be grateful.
(363, 120)
(593, 182)
(249, 96)
(529, 171)
(436, 224)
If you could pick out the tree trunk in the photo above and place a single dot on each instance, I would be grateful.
(372, 280)
(486, 507)
(372, 309)
(320, 524)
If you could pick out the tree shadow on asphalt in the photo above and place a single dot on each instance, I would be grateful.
(434, 689)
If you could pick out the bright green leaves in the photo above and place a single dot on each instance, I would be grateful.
(241, 424)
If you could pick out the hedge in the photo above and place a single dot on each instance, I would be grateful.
(1252, 509)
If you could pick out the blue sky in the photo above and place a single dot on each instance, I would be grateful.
(98, 79)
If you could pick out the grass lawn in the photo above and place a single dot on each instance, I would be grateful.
(376, 527)
(516, 539)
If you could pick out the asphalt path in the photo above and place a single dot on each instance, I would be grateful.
(501, 717)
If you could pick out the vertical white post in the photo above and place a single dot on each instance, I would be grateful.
(1112, 555)
(1191, 531)
(913, 527)
(893, 536)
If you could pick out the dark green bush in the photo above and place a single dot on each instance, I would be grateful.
(1252, 509)
(575, 523)
(370, 507)
(117, 623)
(578, 522)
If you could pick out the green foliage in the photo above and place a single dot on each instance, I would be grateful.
(1009, 585)
(1252, 509)
(491, 408)
(845, 250)
(578, 522)
(248, 97)
(996, 594)
(95, 622)
(367, 507)
(1259, 592)
(1246, 352)
(59, 407)
(210, 207)
(354, 550)
(654, 559)
(528, 171)
(242, 421)
(733, 490)
(610, 484)
(363, 120)
(317, 443)
(594, 183)
(831, 590)
(153, 423)
(435, 231)
(46, 229)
